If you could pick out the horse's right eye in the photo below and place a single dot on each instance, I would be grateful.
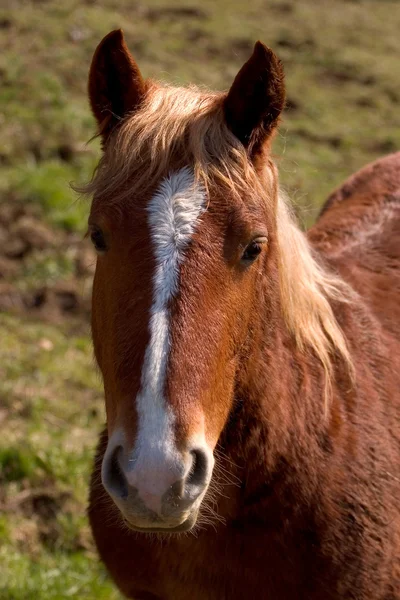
(98, 240)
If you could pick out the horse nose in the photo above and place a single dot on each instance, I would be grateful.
(162, 491)
(113, 477)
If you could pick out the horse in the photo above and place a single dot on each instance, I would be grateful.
(251, 371)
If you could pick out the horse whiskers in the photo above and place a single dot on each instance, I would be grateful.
(224, 476)
(221, 454)
(223, 479)
(208, 511)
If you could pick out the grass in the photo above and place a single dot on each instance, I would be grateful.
(51, 411)
(57, 575)
(341, 61)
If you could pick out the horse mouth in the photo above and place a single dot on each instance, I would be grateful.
(156, 528)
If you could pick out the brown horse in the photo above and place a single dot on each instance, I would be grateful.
(251, 372)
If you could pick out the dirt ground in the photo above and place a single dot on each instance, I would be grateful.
(25, 239)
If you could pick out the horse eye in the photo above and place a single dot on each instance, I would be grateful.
(253, 250)
(98, 241)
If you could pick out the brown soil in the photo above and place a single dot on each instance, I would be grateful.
(37, 510)
(23, 235)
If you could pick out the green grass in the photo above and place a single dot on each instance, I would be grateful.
(341, 61)
(48, 184)
(56, 575)
(51, 412)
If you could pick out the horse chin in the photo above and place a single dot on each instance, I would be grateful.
(186, 525)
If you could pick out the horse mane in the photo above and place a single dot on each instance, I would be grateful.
(307, 290)
(181, 126)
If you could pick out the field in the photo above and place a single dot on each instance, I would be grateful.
(342, 65)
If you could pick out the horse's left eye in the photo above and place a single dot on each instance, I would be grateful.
(252, 250)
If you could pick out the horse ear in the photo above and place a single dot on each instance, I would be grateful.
(256, 98)
(116, 86)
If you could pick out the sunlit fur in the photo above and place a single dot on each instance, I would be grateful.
(186, 126)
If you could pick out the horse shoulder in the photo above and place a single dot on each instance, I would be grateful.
(367, 186)
(358, 234)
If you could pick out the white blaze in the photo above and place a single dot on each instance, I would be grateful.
(173, 213)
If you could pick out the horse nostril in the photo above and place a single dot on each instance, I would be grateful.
(114, 479)
(198, 472)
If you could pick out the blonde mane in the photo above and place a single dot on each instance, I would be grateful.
(184, 126)
(306, 291)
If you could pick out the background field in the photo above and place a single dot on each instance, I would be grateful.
(342, 64)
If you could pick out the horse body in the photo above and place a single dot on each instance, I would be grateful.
(303, 501)
(330, 527)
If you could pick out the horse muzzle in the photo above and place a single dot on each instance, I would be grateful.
(160, 490)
